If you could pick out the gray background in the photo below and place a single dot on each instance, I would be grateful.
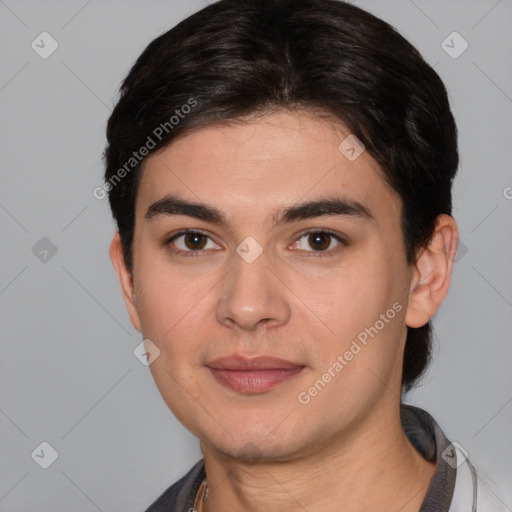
(68, 375)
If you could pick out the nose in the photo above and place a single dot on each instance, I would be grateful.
(252, 296)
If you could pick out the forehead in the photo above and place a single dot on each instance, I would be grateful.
(260, 164)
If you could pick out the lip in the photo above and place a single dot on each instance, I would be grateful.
(253, 375)
(238, 363)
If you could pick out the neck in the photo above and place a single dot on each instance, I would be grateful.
(373, 469)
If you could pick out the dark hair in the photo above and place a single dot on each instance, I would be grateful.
(236, 58)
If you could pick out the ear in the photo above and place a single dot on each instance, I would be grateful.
(432, 272)
(125, 280)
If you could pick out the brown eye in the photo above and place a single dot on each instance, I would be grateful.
(192, 242)
(195, 241)
(319, 241)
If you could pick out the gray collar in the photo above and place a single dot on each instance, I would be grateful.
(428, 438)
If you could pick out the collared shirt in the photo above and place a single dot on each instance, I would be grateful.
(454, 486)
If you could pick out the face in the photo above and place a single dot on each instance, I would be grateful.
(270, 273)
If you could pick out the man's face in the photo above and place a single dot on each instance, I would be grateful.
(297, 256)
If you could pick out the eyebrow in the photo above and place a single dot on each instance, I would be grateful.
(170, 205)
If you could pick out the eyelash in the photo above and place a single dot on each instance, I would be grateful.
(188, 254)
(323, 254)
(315, 254)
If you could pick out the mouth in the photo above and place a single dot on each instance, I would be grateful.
(253, 375)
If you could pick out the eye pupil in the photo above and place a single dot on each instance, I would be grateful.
(320, 241)
(195, 241)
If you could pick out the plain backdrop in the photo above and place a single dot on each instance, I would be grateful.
(68, 375)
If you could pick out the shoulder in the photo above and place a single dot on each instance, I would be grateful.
(488, 496)
(180, 496)
(474, 491)
(456, 485)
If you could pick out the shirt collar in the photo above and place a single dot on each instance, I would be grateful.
(428, 438)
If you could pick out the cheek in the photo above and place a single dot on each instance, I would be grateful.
(156, 304)
(176, 314)
(165, 297)
(355, 293)
(362, 304)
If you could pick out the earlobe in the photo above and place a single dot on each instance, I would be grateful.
(432, 272)
(125, 280)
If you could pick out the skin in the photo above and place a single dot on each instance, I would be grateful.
(268, 451)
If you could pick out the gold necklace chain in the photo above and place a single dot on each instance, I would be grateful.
(201, 496)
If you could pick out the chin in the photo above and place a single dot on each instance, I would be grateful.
(253, 452)
(253, 444)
